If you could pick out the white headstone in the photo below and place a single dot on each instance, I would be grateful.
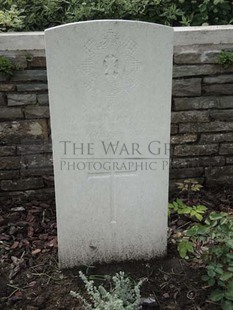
(110, 102)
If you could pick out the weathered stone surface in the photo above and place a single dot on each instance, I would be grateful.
(226, 149)
(43, 99)
(34, 148)
(39, 194)
(186, 87)
(32, 87)
(196, 57)
(174, 129)
(193, 150)
(225, 180)
(30, 75)
(7, 150)
(196, 70)
(38, 62)
(4, 77)
(186, 173)
(11, 113)
(36, 112)
(7, 87)
(9, 174)
(199, 103)
(190, 117)
(10, 162)
(216, 138)
(229, 160)
(199, 70)
(220, 79)
(48, 171)
(19, 60)
(2, 99)
(218, 89)
(48, 180)
(36, 161)
(187, 57)
(22, 184)
(19, 131)
(21, 99)
(222, 115)
(219, 175)
(202, 161)
(206, 127)
(181, 139)
(210, 56)
(12, 195)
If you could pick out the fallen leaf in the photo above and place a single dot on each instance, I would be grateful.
(52, 243)
(18, 209)
(15, 245)
(4, 237)
(32, 284)
(16, 266)
(44, 205)
(43, 236)
(36, 251)
(30, 231)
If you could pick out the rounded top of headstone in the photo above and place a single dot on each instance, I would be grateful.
(112, 22)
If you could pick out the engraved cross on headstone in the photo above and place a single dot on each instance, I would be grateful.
(110, 65)
(113, 176)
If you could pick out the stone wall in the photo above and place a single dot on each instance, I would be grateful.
(202, 115)
(201, 124)
(26, 166)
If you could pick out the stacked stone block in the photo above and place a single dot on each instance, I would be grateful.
(26, 167)
(202, 116)
(201, 123)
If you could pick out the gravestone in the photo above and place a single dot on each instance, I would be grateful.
(110, 101)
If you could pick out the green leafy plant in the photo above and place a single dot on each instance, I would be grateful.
(214, 241)
(123, 295)
(31, 15)
(11, 19)
(189, 185)
(180, 208)
(7, 67)
(225, 58)
(29, 57)
(184, 247)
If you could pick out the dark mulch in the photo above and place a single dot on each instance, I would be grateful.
(30, 278)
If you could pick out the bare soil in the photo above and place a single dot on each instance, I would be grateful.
(30, 278)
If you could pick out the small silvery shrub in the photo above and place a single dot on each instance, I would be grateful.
(124, 294)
